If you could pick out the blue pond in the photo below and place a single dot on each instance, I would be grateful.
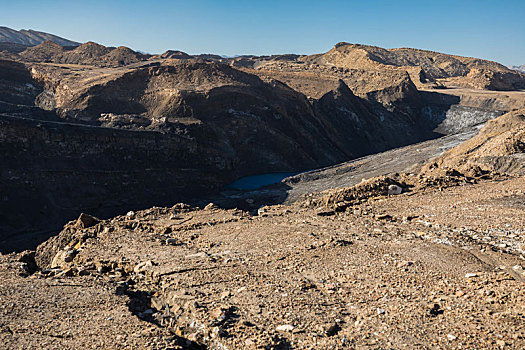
(257, 181)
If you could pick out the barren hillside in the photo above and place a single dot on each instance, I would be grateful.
(31, 37)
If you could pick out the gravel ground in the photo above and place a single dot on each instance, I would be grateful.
(432, 268)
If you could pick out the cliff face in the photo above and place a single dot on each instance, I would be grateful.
(265, 126)
(52, 170)
(16, 84)
(364, 126)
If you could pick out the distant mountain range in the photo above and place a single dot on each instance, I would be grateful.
(31, 37)
(520, 68)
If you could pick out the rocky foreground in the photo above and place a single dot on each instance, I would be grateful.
(429, 259)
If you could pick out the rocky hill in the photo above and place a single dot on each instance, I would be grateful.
(250, 125)
(353, 63)
(90, 54)
(423, 65)
(31, 37)
(207, 95)
(175, 54)
(44, 52)
(83, 54)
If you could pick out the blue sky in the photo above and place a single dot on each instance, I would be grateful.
(483, 28)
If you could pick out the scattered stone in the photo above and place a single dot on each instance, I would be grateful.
(325, 212)
(86, 220)
(380, 311)
(332, 329)
(285, 328)
(218, 332)
(197, 255)
(410, 218)
(143, 266)
(383, 217)
(63, 257)
(70, 255)
(67, 273)
(211, 206)
(342, 243)
(435, 310)
(405, 263)
(220, 315)
(226, 294)
(172, 241)
(394, 190)
(27, 258)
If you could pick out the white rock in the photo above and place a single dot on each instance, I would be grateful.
(285, 328)
(451, 337)
(380, 311)
(471, 274)
(394, 189)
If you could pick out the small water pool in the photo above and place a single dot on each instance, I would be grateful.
(257, 181)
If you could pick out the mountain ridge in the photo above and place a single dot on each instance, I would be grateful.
(519, 68)
(31, 37)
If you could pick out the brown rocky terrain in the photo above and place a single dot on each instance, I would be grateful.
(86, 53)
(250, 124)
(439, 265)
(447, 69)
(408, 233)
(86, 117)
(45, 52)
(174, 54)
